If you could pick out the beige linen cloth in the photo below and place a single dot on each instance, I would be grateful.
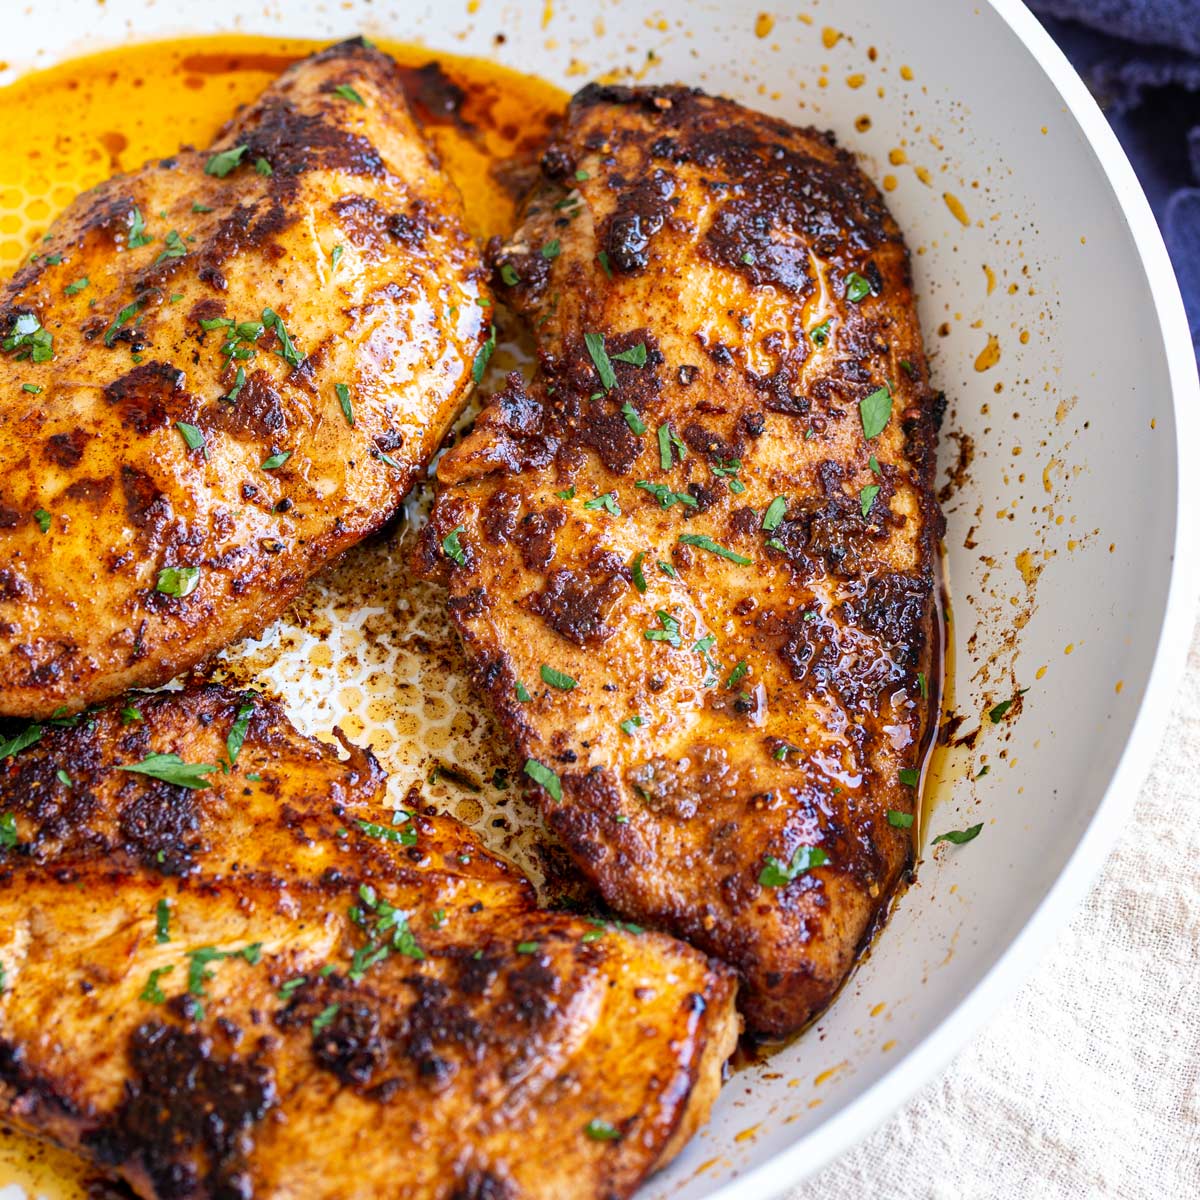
(1088, 1083)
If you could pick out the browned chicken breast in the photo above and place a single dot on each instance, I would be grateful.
(693, 563)
(230, 972)
(217, 374)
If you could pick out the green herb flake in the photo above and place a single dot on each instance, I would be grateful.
(602, 1131)
(129, 714)
(669, 631)
(819, 334)
(522, 693)
(343, 395)
(452, 547)
(632, 419)
(237, 732)
(568, 493)
(551, 250)
(221, 164)
(909, 776)
(33, 388)
(740, 671)
(608, 502)
(484, 355)
(899, 820)
(997, 712)
(774, 514)
(668, 570)
(581, 175)
(639, 576)
(873, 463)
(875, 411)
(631, 723)
(404, 836)
(137, 230)
(665, 496)
(63, 777)
(703, 542)
(174, 247)
(857, 288)
(30, 341)
(287, 350)
(152, 993)
(959, 836)
(276, 460)
(191, 435)
(170, 768)
(528, 947)
(509, 275)
(325, 1018)
(177, 581)
(346, 92)
(73, 289)
(557, 679)
(635, 355)
(866, 498)
(8, 830)
(600, 359)
(668, 446)
(262, 167)
(923, 684)
(602, 259)
(540, 773)
(43, 519)
(162, 922)
(777, 874)
(239, 382)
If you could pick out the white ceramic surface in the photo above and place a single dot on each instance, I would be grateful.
(1087, 427)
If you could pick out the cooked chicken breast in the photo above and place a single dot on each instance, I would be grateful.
(693, 564)
(217, 374)
(248, 979)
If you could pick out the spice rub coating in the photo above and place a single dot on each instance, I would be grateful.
(270, 987)
(710, 517)
(218, 373)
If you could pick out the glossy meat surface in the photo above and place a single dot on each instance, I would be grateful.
(217, 374)
(268, 988)
(693, 563)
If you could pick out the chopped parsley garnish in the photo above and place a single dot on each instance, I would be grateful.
(43, 519)
(602, 1131)
(287, 351)
(739, 672)
(550, 250)
(982, 771)
(289, 986)
(820, 333)
(899, 820)
(262, 167)
(33, 388)
(406, 835)
(774, 513)
(276, 460)
(776, 874)
(959, 836)
(996, 714)
(509, 275)
(137, 230)
(557, 679)
(669, 631)
(540, 773)
(639, 576)
(704, 648)
(170, 768)
(237, 732)
(704, 542)
(162, 922)
(386, 459)
(608, 502)
(873, 463)
(602, 259)
(239, 382)
(343, 395)
(866, 498)
(668, 446)
(335, 256)
(346, 92)
(221, 164)
(857, 288)
(174, 248)
(452, 547)
(325, 1018)
(73, 289)
(484, 355)
(522, 692)
(728, 471)
(600, 359)
(528, 947)
(635, 355)
(748, 257)
(177, 581)
(631, 723)
(581, 175)
(665, 496)
(197, 207)
(632, 419)
(875, 411)
(152, 993)
(30, 341)
(21, 741)
(923, 684)
(126, 314)
(8, 830)
(191, 435)
(52, 260)
(668, 570)
(568, 493)
(909, 776)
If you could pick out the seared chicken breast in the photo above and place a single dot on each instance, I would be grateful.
(228, 970)
(693, 563)
(218, 373)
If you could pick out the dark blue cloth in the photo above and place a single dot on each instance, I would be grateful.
(1141, 58)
